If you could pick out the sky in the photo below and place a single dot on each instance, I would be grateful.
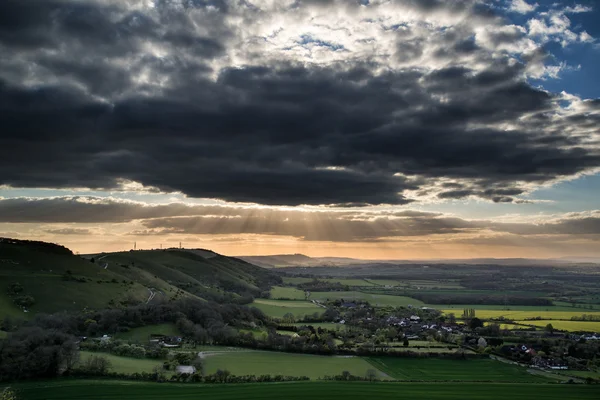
(380, 129)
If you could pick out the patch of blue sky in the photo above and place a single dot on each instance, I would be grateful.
(582, 194)
(311, 40)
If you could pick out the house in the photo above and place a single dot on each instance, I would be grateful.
(186, 369)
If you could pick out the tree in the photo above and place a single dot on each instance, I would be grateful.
(96, 365)
(36, 353)
(452, 318)
(24, 301)
(371, 375)
(159, 374)
(482, 343)
(14, 288)
(198, 363)
(475, 323)
(549, 328)
(288, 318)
(405, 343)
(222, 375)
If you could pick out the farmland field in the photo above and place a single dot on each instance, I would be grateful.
(521, 315)
(507, 326)
(350, 282)
(124, 364)
(274, 363)
(457, 370)
(278, 308)
(142, 334)
(373, 299)
(571, 326)
(461, 307)
(279, 292)
(343, 281)
(296, 280)
(110, 390)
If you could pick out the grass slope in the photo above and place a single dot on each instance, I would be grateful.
(110, 390)
(58, 280)
(40, 270)
(428, 369)
(201, 273)
(124, 364)
(278, 308)
(274, 363)
(278, 292)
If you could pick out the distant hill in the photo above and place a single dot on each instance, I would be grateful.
(301, 260)
(44, 277)
(281, 260)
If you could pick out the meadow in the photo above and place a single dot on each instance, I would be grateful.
(278, 308)
(571, 326)
(423, 369)
(373, 299)
(110, 390)
(124, 364)
(274, 363)
(287, 293)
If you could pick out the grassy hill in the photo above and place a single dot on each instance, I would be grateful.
(56, 279)
(43, 277)
(200, 272)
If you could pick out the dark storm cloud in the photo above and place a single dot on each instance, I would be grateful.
(125, 93)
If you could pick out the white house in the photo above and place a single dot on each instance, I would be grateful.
(186, 369)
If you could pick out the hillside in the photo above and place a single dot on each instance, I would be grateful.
(55, 279)
(42, 277)
(200, 272)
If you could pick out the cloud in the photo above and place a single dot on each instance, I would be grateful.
(68, 231)
(348, 225)
(522, 7)
(286, 103)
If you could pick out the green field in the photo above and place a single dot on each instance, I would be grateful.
(142, 334)
(350, 282)
(296, 280)
(3, 335)
(521, 315)
(373, 299)
(265, 362)
(571, 326)
(454, 370)
(278, 308)
(124, 364)
(288, 293)
(110, 390)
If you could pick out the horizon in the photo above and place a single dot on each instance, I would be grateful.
(363, 129)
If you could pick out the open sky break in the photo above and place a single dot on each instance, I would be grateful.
(374, 129)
